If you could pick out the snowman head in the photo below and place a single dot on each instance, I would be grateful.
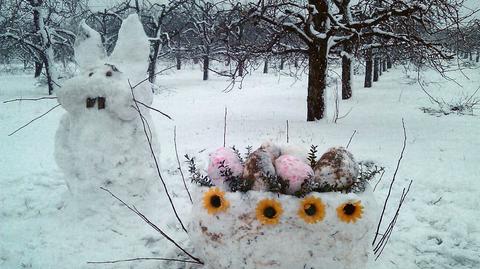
(103, 84)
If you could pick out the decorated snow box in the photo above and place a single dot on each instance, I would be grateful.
(279, 210)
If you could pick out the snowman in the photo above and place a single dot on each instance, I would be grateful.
(101, 140)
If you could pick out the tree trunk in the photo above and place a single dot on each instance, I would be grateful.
(38, 63)
(368, 69)
(240, 67)
(380, 72)
(206, 63)
(375, 69)
(282, 63)
(295, 63)
(478, 57)
(152, 61)
(47, 55)
(317, 82)
(471, 55)
(384, 65)
(38, 68)
(347, 72)
(389, 62)
(179, 61)
(265, 66)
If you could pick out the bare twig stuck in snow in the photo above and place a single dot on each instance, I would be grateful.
(225, 128)
(155, 159)
(142, 259)
(179, 165)
(378, 250)
(36, 118)
(155, 227)
(29, 99)
(351, 137)
(154, 109)
(382, 242)
(288, 138)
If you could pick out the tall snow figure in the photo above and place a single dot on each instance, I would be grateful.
(100, 141)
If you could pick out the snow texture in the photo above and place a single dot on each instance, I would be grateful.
(100, 140)
(236, 239)
(229, 159)
(293, 170)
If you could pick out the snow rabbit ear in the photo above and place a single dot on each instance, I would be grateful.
(88, 47)
(133, 47)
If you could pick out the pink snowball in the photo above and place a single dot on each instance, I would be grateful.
(294, 170)
(230, 159)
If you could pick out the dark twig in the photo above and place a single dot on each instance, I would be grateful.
(144, 80)
(29, 99)
(28, 123)
(156, 161)
(225, 128)
(380, 179)
(154, 109)
(288, 138)
(392, 182)
(178, 162)
(351, 137)
(386, 236)
(143, 259)
(155, 227)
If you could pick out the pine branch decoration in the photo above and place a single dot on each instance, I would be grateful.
(312, 156)
(195, 175)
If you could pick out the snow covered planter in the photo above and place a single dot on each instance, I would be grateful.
(266, 227)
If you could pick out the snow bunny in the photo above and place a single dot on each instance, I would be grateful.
(101, 140)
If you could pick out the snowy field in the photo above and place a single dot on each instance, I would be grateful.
(438, 226)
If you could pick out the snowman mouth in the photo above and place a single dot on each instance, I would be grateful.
(100, 101)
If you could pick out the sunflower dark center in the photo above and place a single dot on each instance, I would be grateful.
(269, 212)
(310, 210)
(215, 201)
(349, 209)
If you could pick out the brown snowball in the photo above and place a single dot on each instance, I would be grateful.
(336, 169)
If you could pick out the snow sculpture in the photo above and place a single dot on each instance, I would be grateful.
(100, 140)
(269, 229)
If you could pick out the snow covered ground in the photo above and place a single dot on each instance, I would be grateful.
(438, 226)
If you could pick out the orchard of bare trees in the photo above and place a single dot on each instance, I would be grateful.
(231, 38)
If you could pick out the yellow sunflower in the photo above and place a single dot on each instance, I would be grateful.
(214, 201)
(312, 210)
(269, 211)
(350, 211)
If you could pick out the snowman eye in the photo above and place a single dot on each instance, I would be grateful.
(109, 73)
(91, 74)
(91, 102)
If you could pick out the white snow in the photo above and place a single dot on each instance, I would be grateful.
(437, 227)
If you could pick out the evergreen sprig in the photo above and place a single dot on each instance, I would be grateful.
(312, 156)
(237, 152)
(275, 183)
(195, 175)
